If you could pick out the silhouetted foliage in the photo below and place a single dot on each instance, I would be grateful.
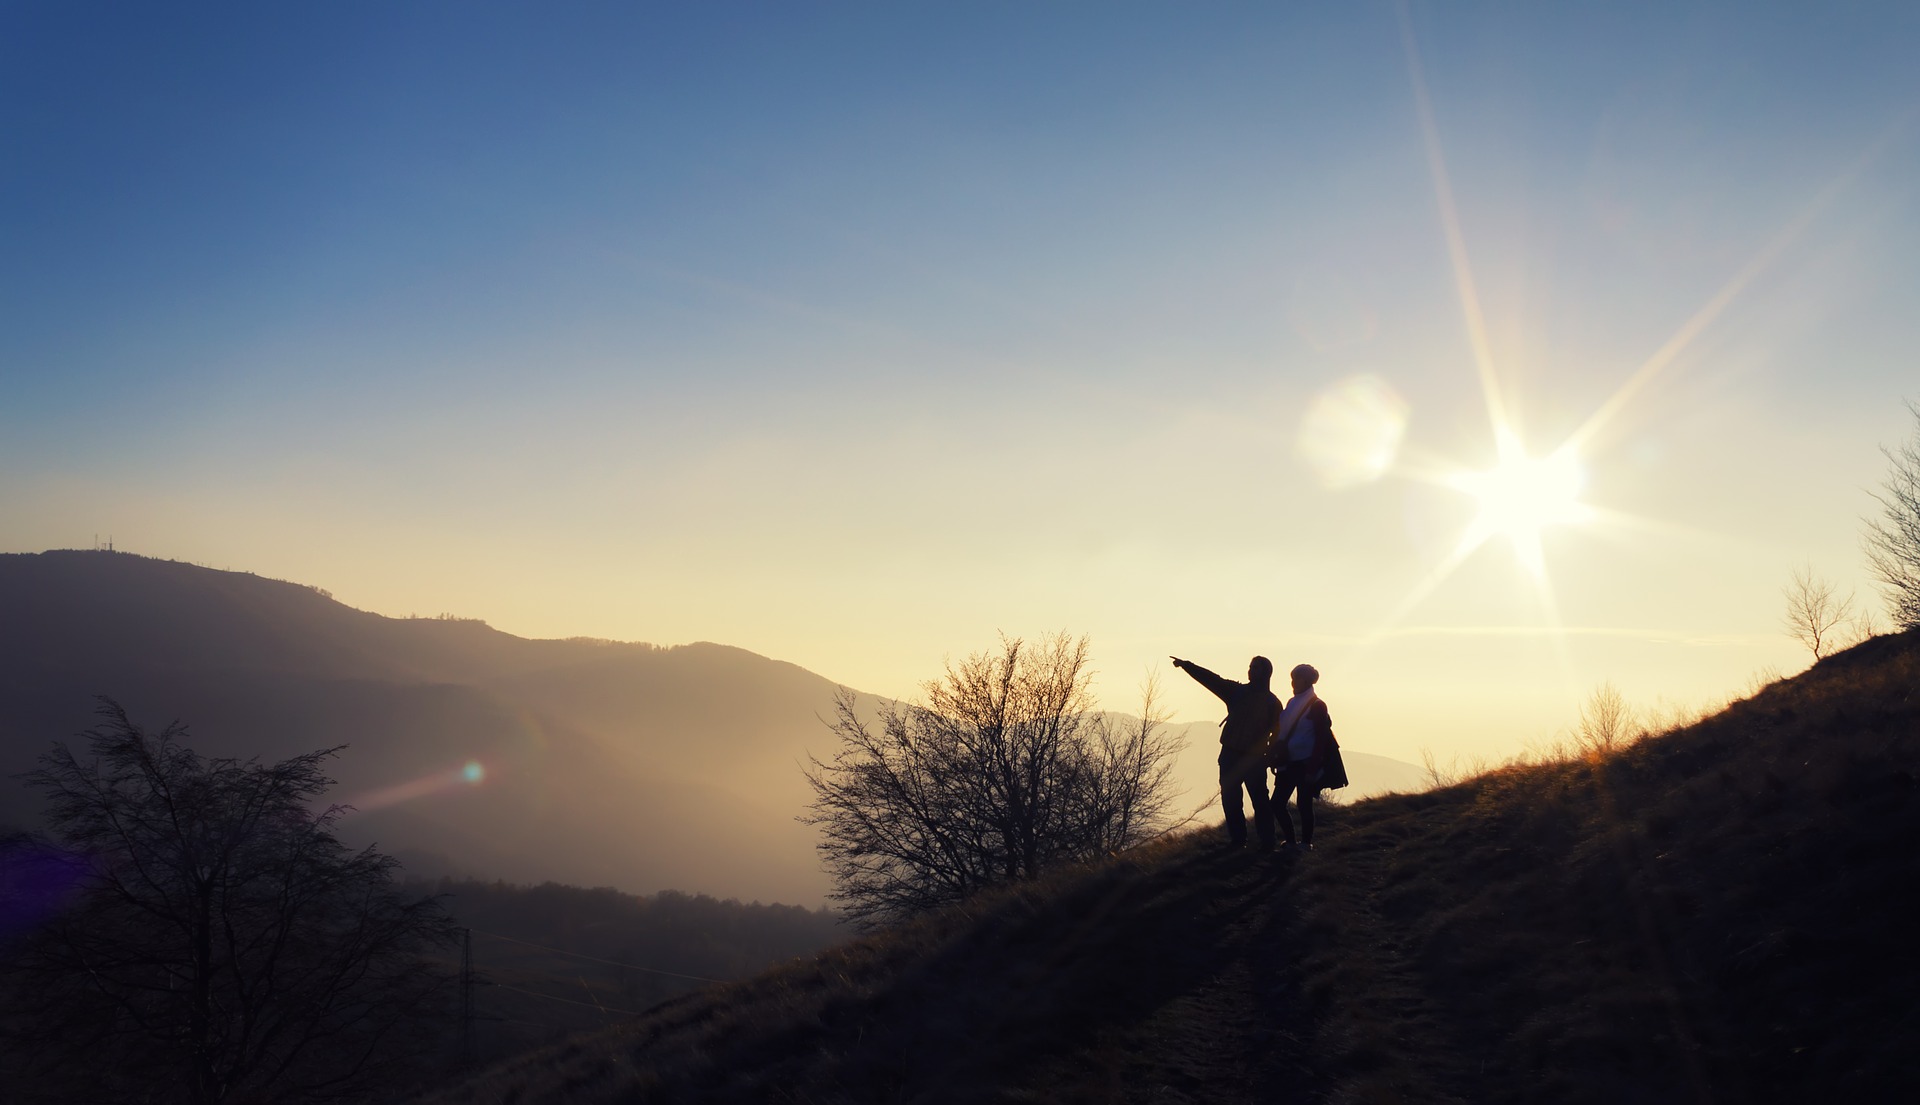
(553, 959)
(1004, 772)
(673, 930)
(1607, 723)
(1816, 614)
(220, 943)
(1893, 540)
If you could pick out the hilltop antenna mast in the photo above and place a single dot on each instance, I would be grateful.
(466, 998)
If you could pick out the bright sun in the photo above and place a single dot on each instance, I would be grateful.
(1520, 498)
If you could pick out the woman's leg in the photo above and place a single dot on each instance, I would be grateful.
(1306, 812)
(1282, 783)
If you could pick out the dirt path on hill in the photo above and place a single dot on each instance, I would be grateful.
(1251, 938)
(1232, 1028)
(1397, 1045)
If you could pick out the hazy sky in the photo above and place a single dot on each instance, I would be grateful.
(855, 334)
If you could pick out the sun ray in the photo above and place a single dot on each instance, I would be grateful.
(1421, 590)
(1469, 292)
(1519, 495)
(1712, 309)
(1562, 643)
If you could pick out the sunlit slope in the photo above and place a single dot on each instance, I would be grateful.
(604, 764)
(1719, 914)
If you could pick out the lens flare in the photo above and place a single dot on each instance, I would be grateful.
(470, 774)
(1351, 431)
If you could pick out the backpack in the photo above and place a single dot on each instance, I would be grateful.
(1333, 770)
(1333, 773)
(1252, 709)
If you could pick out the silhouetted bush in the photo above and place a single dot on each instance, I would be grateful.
(1005, 772)
(203, 937)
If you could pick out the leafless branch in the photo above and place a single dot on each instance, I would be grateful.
(1004, 771)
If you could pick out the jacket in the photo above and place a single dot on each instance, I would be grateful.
(1324, 743)
(1253, 712)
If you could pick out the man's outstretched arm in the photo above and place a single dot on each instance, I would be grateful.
(1212, 682)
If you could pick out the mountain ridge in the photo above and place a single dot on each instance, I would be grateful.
(582, 785)
(624, 764)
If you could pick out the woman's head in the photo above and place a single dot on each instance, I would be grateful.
(1304, 676)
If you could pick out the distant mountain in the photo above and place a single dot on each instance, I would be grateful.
(623, 765)
(604, 764)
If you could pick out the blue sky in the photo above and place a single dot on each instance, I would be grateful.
(854, 334)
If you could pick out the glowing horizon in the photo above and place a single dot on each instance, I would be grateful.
(1477, 355)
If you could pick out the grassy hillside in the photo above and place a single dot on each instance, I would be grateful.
(1722, 913)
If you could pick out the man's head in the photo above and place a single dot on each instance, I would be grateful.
(1260, 670)
(1304, 676)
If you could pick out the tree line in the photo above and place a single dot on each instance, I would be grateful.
(190, 929)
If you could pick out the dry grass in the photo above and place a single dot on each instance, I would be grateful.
(1044, 988)
(1719, 913)
(1716, 913)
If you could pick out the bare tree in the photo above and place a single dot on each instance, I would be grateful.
(1437, 776)
(1126, 776)
(1816, 613)
(1606, 723)
(1004, 772)
(1892, 542)
(223, 945)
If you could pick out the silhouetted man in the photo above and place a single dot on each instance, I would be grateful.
(1253, 715)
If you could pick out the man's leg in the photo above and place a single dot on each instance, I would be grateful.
(1262, 806)
(1230, 799)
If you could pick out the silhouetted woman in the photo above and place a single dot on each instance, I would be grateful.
(1300, 750)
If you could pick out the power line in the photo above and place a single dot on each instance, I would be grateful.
(532, 1024)
(568, 1001)
(466, 998)
(594, 959)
